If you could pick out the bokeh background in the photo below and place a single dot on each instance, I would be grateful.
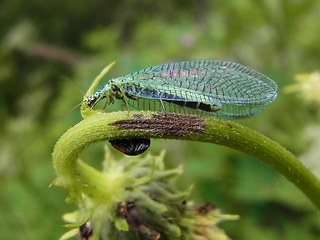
(50, 51)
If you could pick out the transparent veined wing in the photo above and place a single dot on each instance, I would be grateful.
(210, 81)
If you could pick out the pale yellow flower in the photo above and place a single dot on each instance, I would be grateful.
(307, 86)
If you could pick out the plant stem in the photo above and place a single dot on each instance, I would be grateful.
(117, 125)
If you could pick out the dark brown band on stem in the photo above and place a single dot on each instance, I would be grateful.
(165, 124)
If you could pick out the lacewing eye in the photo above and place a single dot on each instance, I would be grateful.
(131, 146)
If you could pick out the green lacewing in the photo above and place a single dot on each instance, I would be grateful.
(223, 89)
(220, 88)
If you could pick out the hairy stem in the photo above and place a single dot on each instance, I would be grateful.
(117, 125)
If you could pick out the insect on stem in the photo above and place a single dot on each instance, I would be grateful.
(218, 88)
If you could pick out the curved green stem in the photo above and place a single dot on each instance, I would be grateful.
(117, 125)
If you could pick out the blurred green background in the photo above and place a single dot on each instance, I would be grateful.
(51, 51)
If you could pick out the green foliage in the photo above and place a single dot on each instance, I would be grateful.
(46, 43)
